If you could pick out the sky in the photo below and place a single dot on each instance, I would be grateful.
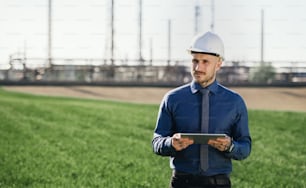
(81, 28)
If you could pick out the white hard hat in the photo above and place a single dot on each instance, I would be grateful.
(208, 43)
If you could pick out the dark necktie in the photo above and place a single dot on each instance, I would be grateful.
(204, 128)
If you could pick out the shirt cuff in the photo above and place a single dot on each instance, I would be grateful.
(170, 149)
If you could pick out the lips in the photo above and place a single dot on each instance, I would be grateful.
(197, 73)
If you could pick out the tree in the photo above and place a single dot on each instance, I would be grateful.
(264, 73)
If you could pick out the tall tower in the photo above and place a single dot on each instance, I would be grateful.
(197, 10)
(50, 33)
(112, 33)
(212, 25)
(169, 42)
(140, 33)
(262, 38)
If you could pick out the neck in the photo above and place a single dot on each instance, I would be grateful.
(207, 83)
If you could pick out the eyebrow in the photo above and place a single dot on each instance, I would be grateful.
(197, 60)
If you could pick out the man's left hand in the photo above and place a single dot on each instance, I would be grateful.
(221, 144)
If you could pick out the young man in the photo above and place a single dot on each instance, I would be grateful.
(202, 106)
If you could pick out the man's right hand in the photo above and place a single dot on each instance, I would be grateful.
(180, 143)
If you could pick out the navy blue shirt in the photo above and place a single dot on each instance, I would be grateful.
(180, 112)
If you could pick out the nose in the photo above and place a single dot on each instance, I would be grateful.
(199, 66)
(196, 67)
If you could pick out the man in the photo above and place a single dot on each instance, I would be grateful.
(202, 106)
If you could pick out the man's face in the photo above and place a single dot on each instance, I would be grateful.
(204, 68)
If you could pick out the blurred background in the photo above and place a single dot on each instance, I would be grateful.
(144, 42)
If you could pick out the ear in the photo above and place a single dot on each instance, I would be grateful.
(219, 64)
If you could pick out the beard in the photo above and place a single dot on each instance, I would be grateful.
(203, 78)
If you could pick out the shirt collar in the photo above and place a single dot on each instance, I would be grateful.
(195, 87)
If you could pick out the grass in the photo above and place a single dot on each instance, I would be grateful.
(65, 142)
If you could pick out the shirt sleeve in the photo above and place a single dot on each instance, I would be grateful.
(162, 141)
(241, 136)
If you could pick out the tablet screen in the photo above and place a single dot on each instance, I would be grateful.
(202, 138)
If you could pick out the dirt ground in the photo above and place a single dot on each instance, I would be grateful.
(289, 99)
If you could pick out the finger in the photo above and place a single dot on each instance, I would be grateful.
(177, 135)
(186, 140)
(223, 148)
(216, 146)
(181, 147)
(224, 143)
(219, 146)
(212, 142)
(178, 147)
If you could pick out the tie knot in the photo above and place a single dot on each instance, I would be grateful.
(204, 91)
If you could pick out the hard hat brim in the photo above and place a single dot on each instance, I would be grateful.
(192, 51)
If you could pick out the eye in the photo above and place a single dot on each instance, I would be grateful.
(195, 61)
(205, 61)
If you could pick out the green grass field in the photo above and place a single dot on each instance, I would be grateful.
(65, 142)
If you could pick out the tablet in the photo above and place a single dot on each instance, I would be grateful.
(202, 138)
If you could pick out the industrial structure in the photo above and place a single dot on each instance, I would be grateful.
(111, 70)
(126, 72)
